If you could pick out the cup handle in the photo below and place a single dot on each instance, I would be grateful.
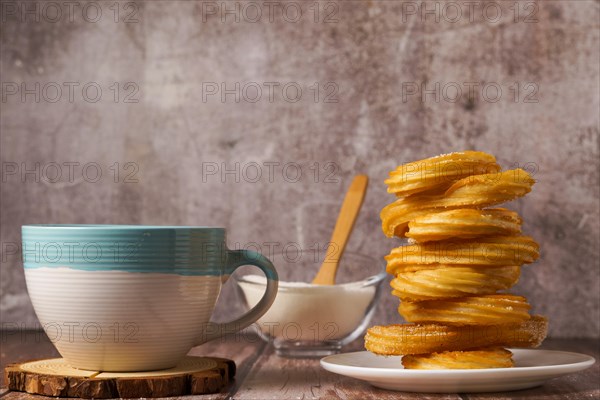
(235, 259)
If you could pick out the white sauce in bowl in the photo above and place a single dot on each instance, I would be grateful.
(304, 311)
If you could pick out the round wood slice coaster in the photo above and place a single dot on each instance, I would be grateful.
(54, 377)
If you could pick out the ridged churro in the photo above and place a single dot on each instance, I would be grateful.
(460, 255)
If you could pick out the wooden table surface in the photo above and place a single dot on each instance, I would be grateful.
(263, 375)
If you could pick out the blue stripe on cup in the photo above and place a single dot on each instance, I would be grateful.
(130, 248)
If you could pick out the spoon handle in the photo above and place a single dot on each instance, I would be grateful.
(343, 228)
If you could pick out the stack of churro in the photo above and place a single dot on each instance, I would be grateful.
(460, 255)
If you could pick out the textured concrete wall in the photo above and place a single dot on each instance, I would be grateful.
(359, 66)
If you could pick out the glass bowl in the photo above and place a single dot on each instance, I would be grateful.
(309, 320)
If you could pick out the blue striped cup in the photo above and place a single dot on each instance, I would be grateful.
(129, 297)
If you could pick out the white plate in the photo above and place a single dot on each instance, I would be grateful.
(532, 368)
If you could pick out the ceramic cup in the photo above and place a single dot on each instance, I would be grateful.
(132, 298)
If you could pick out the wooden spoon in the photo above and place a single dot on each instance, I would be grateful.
(343, 228)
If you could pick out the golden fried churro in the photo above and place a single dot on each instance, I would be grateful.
(494, 357)
(454, 281)
(459, 255)
(490, 309)
(400, 339)
(477, 191)
(464, 224)
(485, 251)
(497, 188)
(439, 172)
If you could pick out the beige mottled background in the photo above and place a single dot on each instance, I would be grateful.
(366, 58)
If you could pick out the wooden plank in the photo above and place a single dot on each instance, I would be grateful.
(243, 349)
(262, 374)
(580, 385)
(275, 377)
